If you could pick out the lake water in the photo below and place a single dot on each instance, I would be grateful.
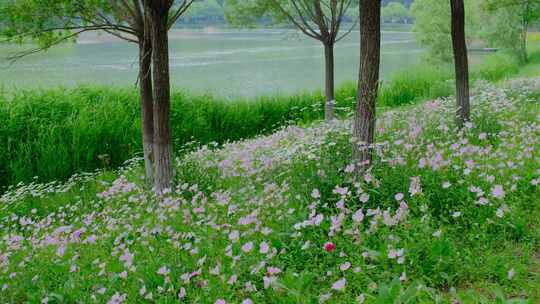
(228, 63)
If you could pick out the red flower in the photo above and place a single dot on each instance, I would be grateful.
(329, 246)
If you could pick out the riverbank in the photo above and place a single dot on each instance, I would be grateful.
(52, 134)
(443, 216)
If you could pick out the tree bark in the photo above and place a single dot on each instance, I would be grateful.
(147, 107)
(329, 81)
(524, 29)
(368, 84)
(461, 62)
(159, 10)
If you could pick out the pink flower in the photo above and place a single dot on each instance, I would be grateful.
(349, 168)
(341, 190)
(399, 196)
(182, 293)
(273, 270)
(163, 271)
(414, 187)
(264, 248)
(358, 216)
(497, 191)
(220, 301)
(345, 266)
(339, 285)
(247, 247)
(364, 197)
(329, 247)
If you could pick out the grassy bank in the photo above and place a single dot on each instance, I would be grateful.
(51, 134)
(444, 216)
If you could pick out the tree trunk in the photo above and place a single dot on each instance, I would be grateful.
(329, 81)
(159, 10)
(147, 108)
(461, 62)
(368, 84)
(524, 29)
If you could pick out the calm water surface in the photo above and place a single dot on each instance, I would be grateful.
(228, 63)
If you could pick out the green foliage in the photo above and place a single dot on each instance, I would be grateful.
(407, 87)
(497, 67)
(252, 12)
(432, 26)
(396, 12)
(507, 23)
(47, 22)
(55, 133)
(477, 257)
(204, 12)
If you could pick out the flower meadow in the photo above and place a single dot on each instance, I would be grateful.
(442, 216)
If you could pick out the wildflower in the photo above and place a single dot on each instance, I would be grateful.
(269, 281)
(339, 285)
(247, 247)
(415, 187)
(163, 270)
(349, 168)
(497, 191)
(220, 301)
(273, 270)
(358, 216)
(324, 297)
(182, 293)
(403, 277)
(482, 136)
(117, 298)
(234, 236)
(399, 196)
(446, 185)
(315, 194)
(263, 248)
(364, 197)
(247, 301)
(329, 246)
(341, 190)
(345, 266)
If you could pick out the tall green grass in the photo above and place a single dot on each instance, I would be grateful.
(51, 134)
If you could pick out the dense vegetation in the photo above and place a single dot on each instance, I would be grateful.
(51, 134)
(442, 217)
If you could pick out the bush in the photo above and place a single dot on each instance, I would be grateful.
(497, 67)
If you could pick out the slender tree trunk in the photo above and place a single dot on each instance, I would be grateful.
(461, 62)
(147, 108)
(524, 29)
(159, 10)
(329, 81)
(368, 84)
